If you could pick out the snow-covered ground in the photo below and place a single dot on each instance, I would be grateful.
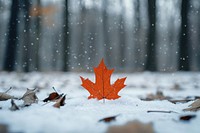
(82, 115)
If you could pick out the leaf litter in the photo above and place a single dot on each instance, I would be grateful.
(29, 97)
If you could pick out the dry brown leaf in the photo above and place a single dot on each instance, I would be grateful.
(29, 97)
(132, 127)
(158, 96)
(60, 102)
(52, 97)
(108, 119)
(3, 128)
(195, 106)
(13, 107)
(4, 96)
(187, 117)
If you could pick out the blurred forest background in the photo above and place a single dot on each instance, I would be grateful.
(73, 35)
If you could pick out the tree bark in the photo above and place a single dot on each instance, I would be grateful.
(66, 38)
(9, 62)
(27, 49)
(37, 39)
(122, 37)
(137, 35)
(151, 45)
(184, 63)
(106, 35)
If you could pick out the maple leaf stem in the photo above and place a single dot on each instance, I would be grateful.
(103, 87)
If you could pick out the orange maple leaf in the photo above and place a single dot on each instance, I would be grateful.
(102, 89)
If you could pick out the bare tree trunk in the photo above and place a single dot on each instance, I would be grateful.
(105, 33)
(137, 36)
(66, 44)
(9, 62)
(151, 46)
(184, 56)
(198, 46)
(122, 37)
(82, 51)
(27, 48)
(38, 38)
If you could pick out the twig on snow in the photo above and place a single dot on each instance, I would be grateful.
(160, 111)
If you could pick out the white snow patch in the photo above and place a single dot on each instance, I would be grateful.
(81, 115)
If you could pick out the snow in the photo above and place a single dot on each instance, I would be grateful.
(81, 115)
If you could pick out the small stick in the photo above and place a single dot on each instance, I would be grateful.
(160, 111)
(8, 90)
(104, 100)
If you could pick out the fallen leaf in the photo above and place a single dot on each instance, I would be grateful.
(187, 117)
(53, 96)
(158, 96)
(60, 102)
(29, 97)
(13, 107)
(195, 106)
(4, 96)
(102, 89)
(108, 119)
(132, 127)
(3, 128)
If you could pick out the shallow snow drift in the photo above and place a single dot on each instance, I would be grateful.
(82, 115)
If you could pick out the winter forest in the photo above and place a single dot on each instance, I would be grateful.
(99, 66)
(74, 35)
